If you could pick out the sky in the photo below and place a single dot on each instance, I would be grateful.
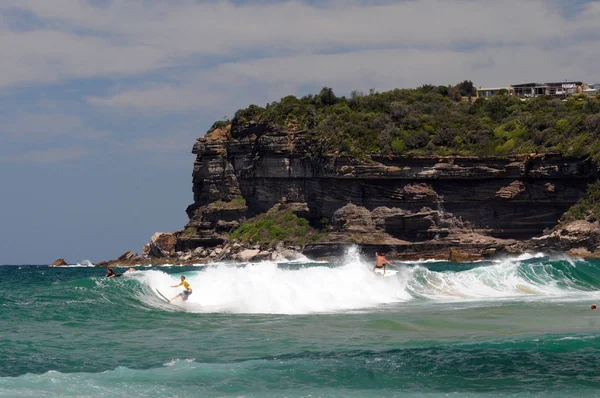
(101, 101)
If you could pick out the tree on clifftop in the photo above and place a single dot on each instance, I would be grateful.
(326, 97)
(467, 88)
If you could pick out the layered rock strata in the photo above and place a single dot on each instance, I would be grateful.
(416, 203)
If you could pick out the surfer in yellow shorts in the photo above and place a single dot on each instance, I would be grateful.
(187, 289)
(381, 262)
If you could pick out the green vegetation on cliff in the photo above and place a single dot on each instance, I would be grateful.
(588, 207)
(236, 203)
(433, 120)
(276, 225)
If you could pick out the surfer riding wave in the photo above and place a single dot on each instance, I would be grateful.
(187, 289)
(381, 262)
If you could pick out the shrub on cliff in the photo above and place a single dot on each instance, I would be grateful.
(588, 207)
(276, 225)
(234, 204)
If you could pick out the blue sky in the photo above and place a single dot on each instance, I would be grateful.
(101, 101)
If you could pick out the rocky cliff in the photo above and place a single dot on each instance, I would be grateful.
(411, 204)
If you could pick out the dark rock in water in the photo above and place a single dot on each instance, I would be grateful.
(60, 262)
(582, 252)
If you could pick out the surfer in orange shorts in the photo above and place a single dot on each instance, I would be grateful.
(381, 262)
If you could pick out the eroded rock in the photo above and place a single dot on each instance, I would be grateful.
(580, 234)
(162, 244)
(59, 262)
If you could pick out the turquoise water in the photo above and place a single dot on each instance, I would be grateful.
(517, 327)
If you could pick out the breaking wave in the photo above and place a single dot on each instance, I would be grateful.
(351, 285)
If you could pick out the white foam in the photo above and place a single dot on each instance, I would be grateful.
(265, 288)
(351, 285)
(82, 264)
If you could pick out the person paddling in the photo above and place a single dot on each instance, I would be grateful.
(111, 274)
(381, 262)
(187, 289)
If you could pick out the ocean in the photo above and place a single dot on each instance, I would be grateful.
(515, 327)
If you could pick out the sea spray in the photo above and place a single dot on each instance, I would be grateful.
(350, 284)
(267, 288)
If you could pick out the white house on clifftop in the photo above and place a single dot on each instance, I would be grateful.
(531, 90)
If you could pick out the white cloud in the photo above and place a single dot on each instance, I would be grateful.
(50, 56)
(213, 54)
(131, 37)
(268, 79)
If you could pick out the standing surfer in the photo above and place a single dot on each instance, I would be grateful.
(381, 262)
(187, 289)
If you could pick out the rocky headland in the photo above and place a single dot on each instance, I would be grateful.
(274, 190)
(459, 208)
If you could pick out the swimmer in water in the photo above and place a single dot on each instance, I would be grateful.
(111, 274)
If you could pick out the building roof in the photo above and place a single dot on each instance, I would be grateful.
(561, 83)
(528, 85)
(492, 88)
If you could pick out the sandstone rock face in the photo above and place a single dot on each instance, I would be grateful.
(353, 218)
(408, 199)
(577, 235)
(511, 191)
(162, 244)
(458, 256)
(59, 262)
(128, 257)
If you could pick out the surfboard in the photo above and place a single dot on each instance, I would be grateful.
(389, 272)
(163, 296)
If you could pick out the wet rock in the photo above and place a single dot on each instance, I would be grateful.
(59, 262)
(289, 255)
(572, 235)
(582, 252)
(262, 256)
(247, 255)
(458, 256)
